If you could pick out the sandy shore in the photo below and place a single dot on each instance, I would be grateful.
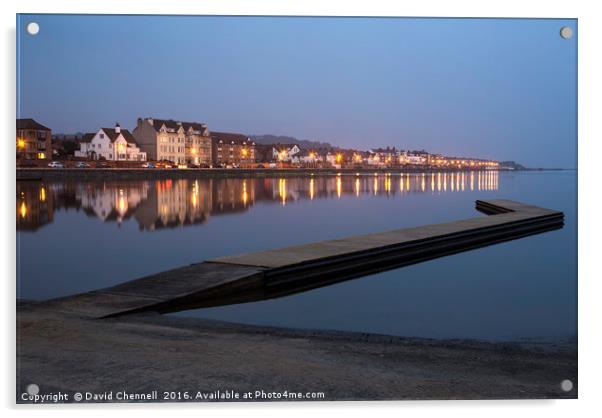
(63, 352)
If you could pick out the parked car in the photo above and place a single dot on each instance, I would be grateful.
(82, 164)
(148, 165)
(164, 164)
(56, 164)
(102, 164)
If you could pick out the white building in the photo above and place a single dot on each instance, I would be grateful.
(331, 159)
(309, 157)
(286, 152)
(374, 159)
(416, 159)
(412, 158)
(113, 144)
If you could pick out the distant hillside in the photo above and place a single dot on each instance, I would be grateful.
(275, 139)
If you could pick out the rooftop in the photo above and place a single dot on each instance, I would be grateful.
(31, 124)
(229, 137)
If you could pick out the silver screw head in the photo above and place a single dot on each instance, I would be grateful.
(566, 32)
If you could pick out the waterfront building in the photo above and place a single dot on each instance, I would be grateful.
(333, 159)
(309, 157)
(374, 159)
(285, 152)
(175, 141)
(112, 144)
(383, 156)
(34, 140)
(352, 158)
(231, 149)
(413, 158)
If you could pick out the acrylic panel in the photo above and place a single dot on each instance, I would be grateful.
(270, 208)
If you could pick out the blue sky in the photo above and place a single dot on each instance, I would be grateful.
(494, 88)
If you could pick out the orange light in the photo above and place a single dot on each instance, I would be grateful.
(21, 143)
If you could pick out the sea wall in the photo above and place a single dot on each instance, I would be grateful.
(152, 174)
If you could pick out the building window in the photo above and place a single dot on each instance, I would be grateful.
(102, 136)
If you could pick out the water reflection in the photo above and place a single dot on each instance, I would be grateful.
(175, 203)
(35, 206)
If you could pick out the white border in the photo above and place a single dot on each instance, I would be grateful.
(590, 136)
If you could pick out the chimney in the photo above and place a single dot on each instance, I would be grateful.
(117, 128)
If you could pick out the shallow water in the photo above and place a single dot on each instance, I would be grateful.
(79, 236)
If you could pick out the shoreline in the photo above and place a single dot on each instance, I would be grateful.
(154, 173)
(567, 344)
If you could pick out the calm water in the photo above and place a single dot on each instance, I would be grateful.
(79, 236)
